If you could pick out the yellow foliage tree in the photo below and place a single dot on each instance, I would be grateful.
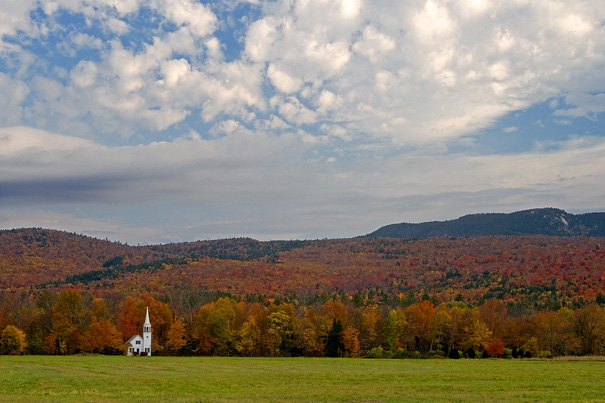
(350, 340)
(476, 334)
(176, 337)
(12, 341)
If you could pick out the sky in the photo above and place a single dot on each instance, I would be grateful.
(154, 121)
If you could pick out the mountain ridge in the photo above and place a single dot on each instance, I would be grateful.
(540, 221)
(516, 269)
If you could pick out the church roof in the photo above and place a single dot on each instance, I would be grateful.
(147, 318)
(133, 338)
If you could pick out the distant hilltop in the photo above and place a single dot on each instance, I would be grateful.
(542, 221)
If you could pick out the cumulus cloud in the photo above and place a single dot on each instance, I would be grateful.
(291, 109)
(195, 16)
(282, 81)
(14, 16)
(373, 44)
(446, 68)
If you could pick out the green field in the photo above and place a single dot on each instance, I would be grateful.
(184, 379)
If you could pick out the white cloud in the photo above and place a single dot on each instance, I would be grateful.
(282, 81)
(401, 61)
(11, 106)
(84, 74)
(235, 87)
(373, 44)
(293, 110)
(589, 105)
(327, 100)
(433, 24)
(123, 7)
(260, 38)
(350, 8)
(337, 131)
(117, 26)
(174, 71)
(14, 16)
(385, 81)
(81, 41)
(331, 57)
(197, 17)
(16, 141)
(276, 124)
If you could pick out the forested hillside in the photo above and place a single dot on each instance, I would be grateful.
(241, 296)
(544, 221)
(35, 256)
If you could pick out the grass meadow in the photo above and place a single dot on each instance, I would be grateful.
(213, 379)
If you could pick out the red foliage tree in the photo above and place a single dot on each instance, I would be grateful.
(495, 348)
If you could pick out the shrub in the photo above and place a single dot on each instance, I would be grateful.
(416, 354)
(544, 354)
(454, 354)
(436, 352)
(436, 357)
(376, 352)
(470, 353)
(531, 345)
(401, 353)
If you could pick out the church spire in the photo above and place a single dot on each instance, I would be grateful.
(147, 334)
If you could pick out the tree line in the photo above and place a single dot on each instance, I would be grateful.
(72, 322)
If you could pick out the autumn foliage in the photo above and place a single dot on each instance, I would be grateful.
(495, 348)
(70, 294)
(78, 323)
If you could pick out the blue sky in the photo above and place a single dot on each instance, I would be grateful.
(150, 121)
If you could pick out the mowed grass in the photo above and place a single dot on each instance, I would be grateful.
(213, 379)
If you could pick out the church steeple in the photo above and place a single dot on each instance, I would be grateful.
(147, 334)
(147, 324)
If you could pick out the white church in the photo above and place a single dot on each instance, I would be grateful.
(141, 345)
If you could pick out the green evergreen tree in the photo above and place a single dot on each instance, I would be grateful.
(334, 344)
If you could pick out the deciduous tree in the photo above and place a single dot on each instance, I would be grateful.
(590, 329)
(12, 341)
(68, 319)
(393, 330)
(495, 348)
(176, 337)
(350, 340)
(101, 337)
